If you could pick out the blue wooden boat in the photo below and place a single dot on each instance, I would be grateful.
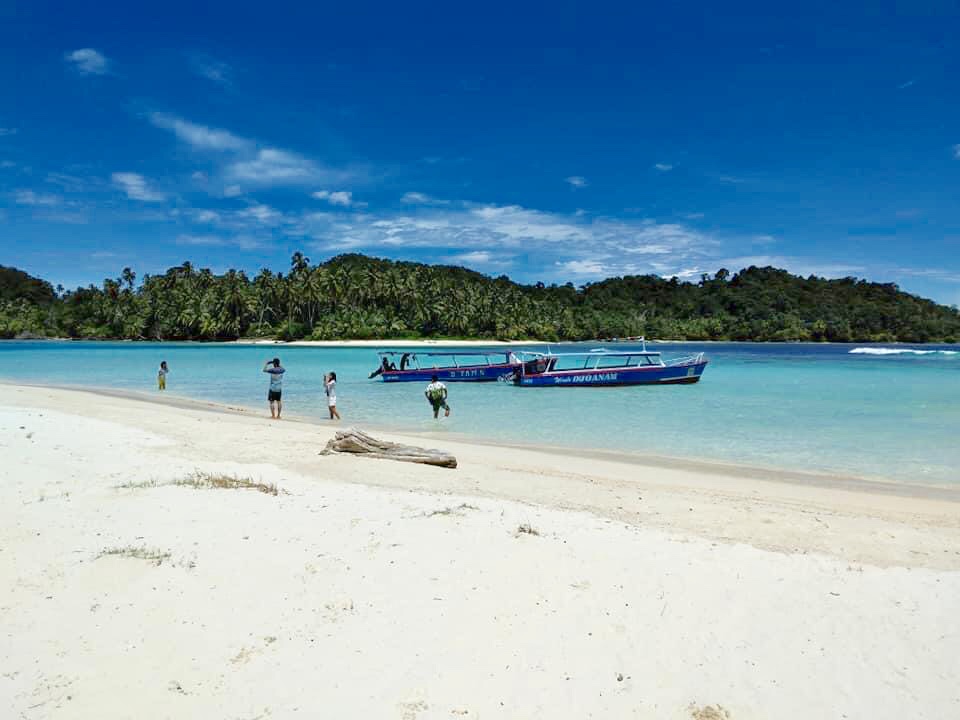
(605, 368)
(465, 366)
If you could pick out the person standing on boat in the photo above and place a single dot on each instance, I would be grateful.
(330, 386)
(276, 386)
(162, 375)
(436, 394)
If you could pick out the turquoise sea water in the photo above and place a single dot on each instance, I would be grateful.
(875, 411)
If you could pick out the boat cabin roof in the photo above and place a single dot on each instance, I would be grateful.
(599, 352)
(383, 353)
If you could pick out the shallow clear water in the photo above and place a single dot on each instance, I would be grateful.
(804, 407)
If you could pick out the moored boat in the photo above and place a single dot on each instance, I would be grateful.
(606, 368)
(466, 366)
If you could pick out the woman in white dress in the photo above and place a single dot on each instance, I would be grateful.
(330, 386)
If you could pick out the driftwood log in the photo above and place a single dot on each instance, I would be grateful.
(358, 442)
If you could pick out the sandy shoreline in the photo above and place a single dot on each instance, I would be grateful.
(376, 589)
(830, 481)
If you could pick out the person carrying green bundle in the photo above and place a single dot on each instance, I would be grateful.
(436, 394)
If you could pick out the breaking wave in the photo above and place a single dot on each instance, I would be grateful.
(899, 351)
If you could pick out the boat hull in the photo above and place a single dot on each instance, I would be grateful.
(471, 373)
(685, 374)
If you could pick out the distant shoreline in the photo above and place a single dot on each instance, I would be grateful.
(427, 342)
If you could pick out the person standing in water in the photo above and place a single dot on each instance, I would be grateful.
(330, 386)
(162, 375)
(276, 386)
(436, 394)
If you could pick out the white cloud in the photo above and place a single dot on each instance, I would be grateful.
(88, 61)
(271, 166)
(244, 242)
(206, 216)
(136, 187)
(197, 136)
(29, 197)
(693, 216)
(956, 151)
(582, 267)
(663, 167)
(344, 198)
(212, 240)
(7, 131)
(484, 233)
(212, 69)
(262, 214)
(247, 163)
(419, 198)
(576, 181)
(482, 258)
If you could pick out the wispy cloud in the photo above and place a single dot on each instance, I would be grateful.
(663, 167)
(482, 259)
(136, 187)
(212, 69)
(419, 198)
(5, 132)
(244, 242)
(731, 179)
(260, 213)
(197, 136)
(576, 181)
(31, 198)
(581, 267)
(343, 198)
(88, 61)
(905, 85)
(270, 166)
(247, 163)
(485, 233)
(956, 151)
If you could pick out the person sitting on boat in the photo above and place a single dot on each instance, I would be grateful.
(436, 394)
(385, 366)
(404, 359)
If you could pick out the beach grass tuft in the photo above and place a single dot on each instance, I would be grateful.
(709, 712)
(137, 485)
(156, 557)
(527, 529)
(452, 510)
(206, 481)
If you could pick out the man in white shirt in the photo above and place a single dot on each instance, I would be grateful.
(436, 394)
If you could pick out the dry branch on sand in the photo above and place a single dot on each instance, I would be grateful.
(358, 442)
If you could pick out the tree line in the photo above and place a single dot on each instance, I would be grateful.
(354, 297)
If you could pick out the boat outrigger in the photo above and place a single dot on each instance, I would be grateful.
(604, 367)
(468, 366)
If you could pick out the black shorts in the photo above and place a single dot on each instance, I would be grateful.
(273, 395)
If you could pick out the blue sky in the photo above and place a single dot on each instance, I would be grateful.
(554, 142)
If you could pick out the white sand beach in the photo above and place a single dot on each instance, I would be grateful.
(376, 589)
